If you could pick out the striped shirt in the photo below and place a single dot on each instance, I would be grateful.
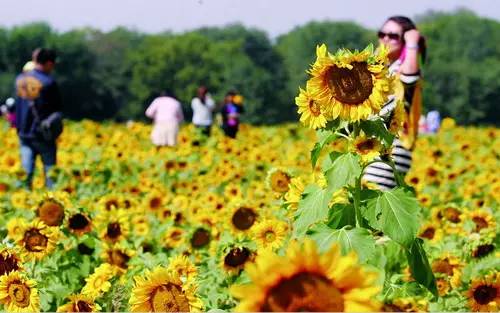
(380, 173)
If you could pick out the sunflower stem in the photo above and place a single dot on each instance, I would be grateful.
(357, 196)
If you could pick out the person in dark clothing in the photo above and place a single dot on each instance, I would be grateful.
(37, 98)
(230, 115)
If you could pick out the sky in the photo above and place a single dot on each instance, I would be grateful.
(273, 16)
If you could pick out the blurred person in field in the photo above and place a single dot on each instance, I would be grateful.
(203, 106)
(38, 100)
(231, 114)
(405, 46)
(166, 112)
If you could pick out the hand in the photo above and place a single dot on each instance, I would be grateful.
(411, 37)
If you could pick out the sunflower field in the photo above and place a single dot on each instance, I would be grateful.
(278, 220)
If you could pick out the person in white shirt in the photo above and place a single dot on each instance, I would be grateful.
(203, 106)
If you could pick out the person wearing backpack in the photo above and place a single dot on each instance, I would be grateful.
(38, 115)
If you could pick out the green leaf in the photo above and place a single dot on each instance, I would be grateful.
(325, 136)
(313, 208)
(419, 266)
(395, 213)
(343, 171)
(377, 128)
(341, 214)
(358, 239)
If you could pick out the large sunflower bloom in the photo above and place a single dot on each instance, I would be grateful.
(349, 85)
(38, 240)
(484, 294)
(18, 294)
(304, 280)
(163, 291)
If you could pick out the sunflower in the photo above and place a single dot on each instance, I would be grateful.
(98, 283)
(367, 148)
(278, 180)
(235, 258)
(349, 85)
(431, 231)
(243, 218)
(312, 114)
(484, 294)
(174, 237)
(304, 280)
(200, 238)
(9, 261)
(270, 234)
(79, 303)
(163, 291)
(154, 201)
(184, 268)
(51, 209)
(483, 221)
(18, 294)
(15, 227)
(37, 240)
(114, 225)
(79, 224)
(118, 256)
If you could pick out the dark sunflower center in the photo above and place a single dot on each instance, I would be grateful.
(169, 298)
(351, 86)
(480, 223)
(428, 233)
(83, 306)
(111, 203)
(51, 213)
(485, 294)
(365, 145)
(452, 215)
(483, 250)
(118, 258)
(244, 218)
(304, 292)
(4, 187)
(201, 238)
(19, 293)
(34, 241)
(442, 266)
(280, 181)
(314, 108)
(237, 257)
(155, 203)
(114, 230)
(269, 236)
(78, 221)
(8, 264)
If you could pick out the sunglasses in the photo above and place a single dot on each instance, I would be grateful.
(392, 36)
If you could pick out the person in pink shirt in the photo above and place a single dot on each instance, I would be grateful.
(166, 113)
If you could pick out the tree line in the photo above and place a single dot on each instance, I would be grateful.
(115, 74)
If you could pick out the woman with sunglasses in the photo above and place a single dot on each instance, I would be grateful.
(405, 44)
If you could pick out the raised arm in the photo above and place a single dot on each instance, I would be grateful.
(151, 110)
(410, 64)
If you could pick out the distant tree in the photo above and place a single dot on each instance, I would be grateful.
(298, 47)
(461, 77)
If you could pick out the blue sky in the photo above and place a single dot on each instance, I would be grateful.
(274, 16)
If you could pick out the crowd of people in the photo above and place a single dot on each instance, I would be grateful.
(36, 111)
(167, 115)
